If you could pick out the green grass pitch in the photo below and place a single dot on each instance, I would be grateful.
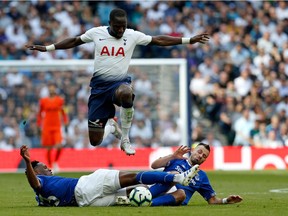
(17, 198)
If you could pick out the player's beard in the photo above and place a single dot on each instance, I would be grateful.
(194, 161)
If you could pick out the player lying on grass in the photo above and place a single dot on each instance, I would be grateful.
(180, 194)
(100, 188)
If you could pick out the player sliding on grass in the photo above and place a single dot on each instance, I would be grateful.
(180, 194)
(114, 46)
(100, 188)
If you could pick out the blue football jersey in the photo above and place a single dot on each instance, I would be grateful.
(199, 183)
(56, 191)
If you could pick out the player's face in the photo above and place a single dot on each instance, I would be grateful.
(42, 169)
(199, 155)
(52, 89)
(118, 26)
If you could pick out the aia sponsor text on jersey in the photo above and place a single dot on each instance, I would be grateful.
(112, 51)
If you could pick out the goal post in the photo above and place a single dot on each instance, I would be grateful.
(170, 77)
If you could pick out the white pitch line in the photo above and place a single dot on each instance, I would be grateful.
(281, 190)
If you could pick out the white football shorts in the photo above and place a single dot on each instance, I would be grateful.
(99, 188)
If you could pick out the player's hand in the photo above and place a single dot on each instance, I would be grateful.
(24, 152)
(200, 38)
(234, 199)
(36, 47)
(178, 154)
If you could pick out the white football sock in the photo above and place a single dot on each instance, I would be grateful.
(178, 178)
(126, 117)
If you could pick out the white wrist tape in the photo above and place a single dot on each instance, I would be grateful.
(50, 47)
(185, 40)
(224, 201)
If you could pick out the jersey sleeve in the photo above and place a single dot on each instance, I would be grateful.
(63, 113)
(206, 190)
(39, 114)
(142, 39)
(88, 35)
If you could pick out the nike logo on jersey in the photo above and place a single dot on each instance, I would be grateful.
(102, 39)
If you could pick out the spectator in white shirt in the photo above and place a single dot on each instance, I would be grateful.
(282, 10)
(243, 83)
(171, 136)
(211, 140)
(283, 106)
(239, 55)
(265, 43)
(142, 129)
(261, 58)
(279, 37)
(242, 127)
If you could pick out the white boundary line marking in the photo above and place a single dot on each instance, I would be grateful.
(281, 190)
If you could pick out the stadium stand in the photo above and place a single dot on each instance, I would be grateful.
(239, 79)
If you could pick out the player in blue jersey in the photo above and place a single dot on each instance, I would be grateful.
(180, 194)
(110, 84)
(100, 188)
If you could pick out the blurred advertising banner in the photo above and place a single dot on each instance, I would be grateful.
(221, 158)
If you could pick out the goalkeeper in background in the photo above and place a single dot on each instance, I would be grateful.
(110, 84)
(50, 116)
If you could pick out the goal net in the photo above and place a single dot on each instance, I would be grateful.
(160, 86)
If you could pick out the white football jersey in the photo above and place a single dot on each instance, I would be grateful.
(112, 56)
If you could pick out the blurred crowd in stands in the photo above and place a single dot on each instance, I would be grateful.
(239, 82)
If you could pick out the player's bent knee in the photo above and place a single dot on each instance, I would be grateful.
(179, 196)
(124, 96)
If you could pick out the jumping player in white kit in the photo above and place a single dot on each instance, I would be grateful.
(110, 84)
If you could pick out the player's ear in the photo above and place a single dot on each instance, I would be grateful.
(36, 172)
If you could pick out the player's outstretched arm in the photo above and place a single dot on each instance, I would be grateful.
(228, 200)
(32, 179)
(178, 154)
(64, 44)
(165, 40)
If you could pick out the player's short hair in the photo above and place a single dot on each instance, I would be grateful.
(52, 83)
(34, 164)
(205, 145)
(117, 12)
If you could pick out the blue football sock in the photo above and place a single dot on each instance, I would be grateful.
(158, 189)
(165, 200)
(151, 177)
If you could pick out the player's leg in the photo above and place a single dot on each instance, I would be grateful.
(99, 112)
(96, 131)
(124, 98)
(170, 199)
(49, 156)
(57, 140)
(47, 142)
(150, 177)
(100, 188)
